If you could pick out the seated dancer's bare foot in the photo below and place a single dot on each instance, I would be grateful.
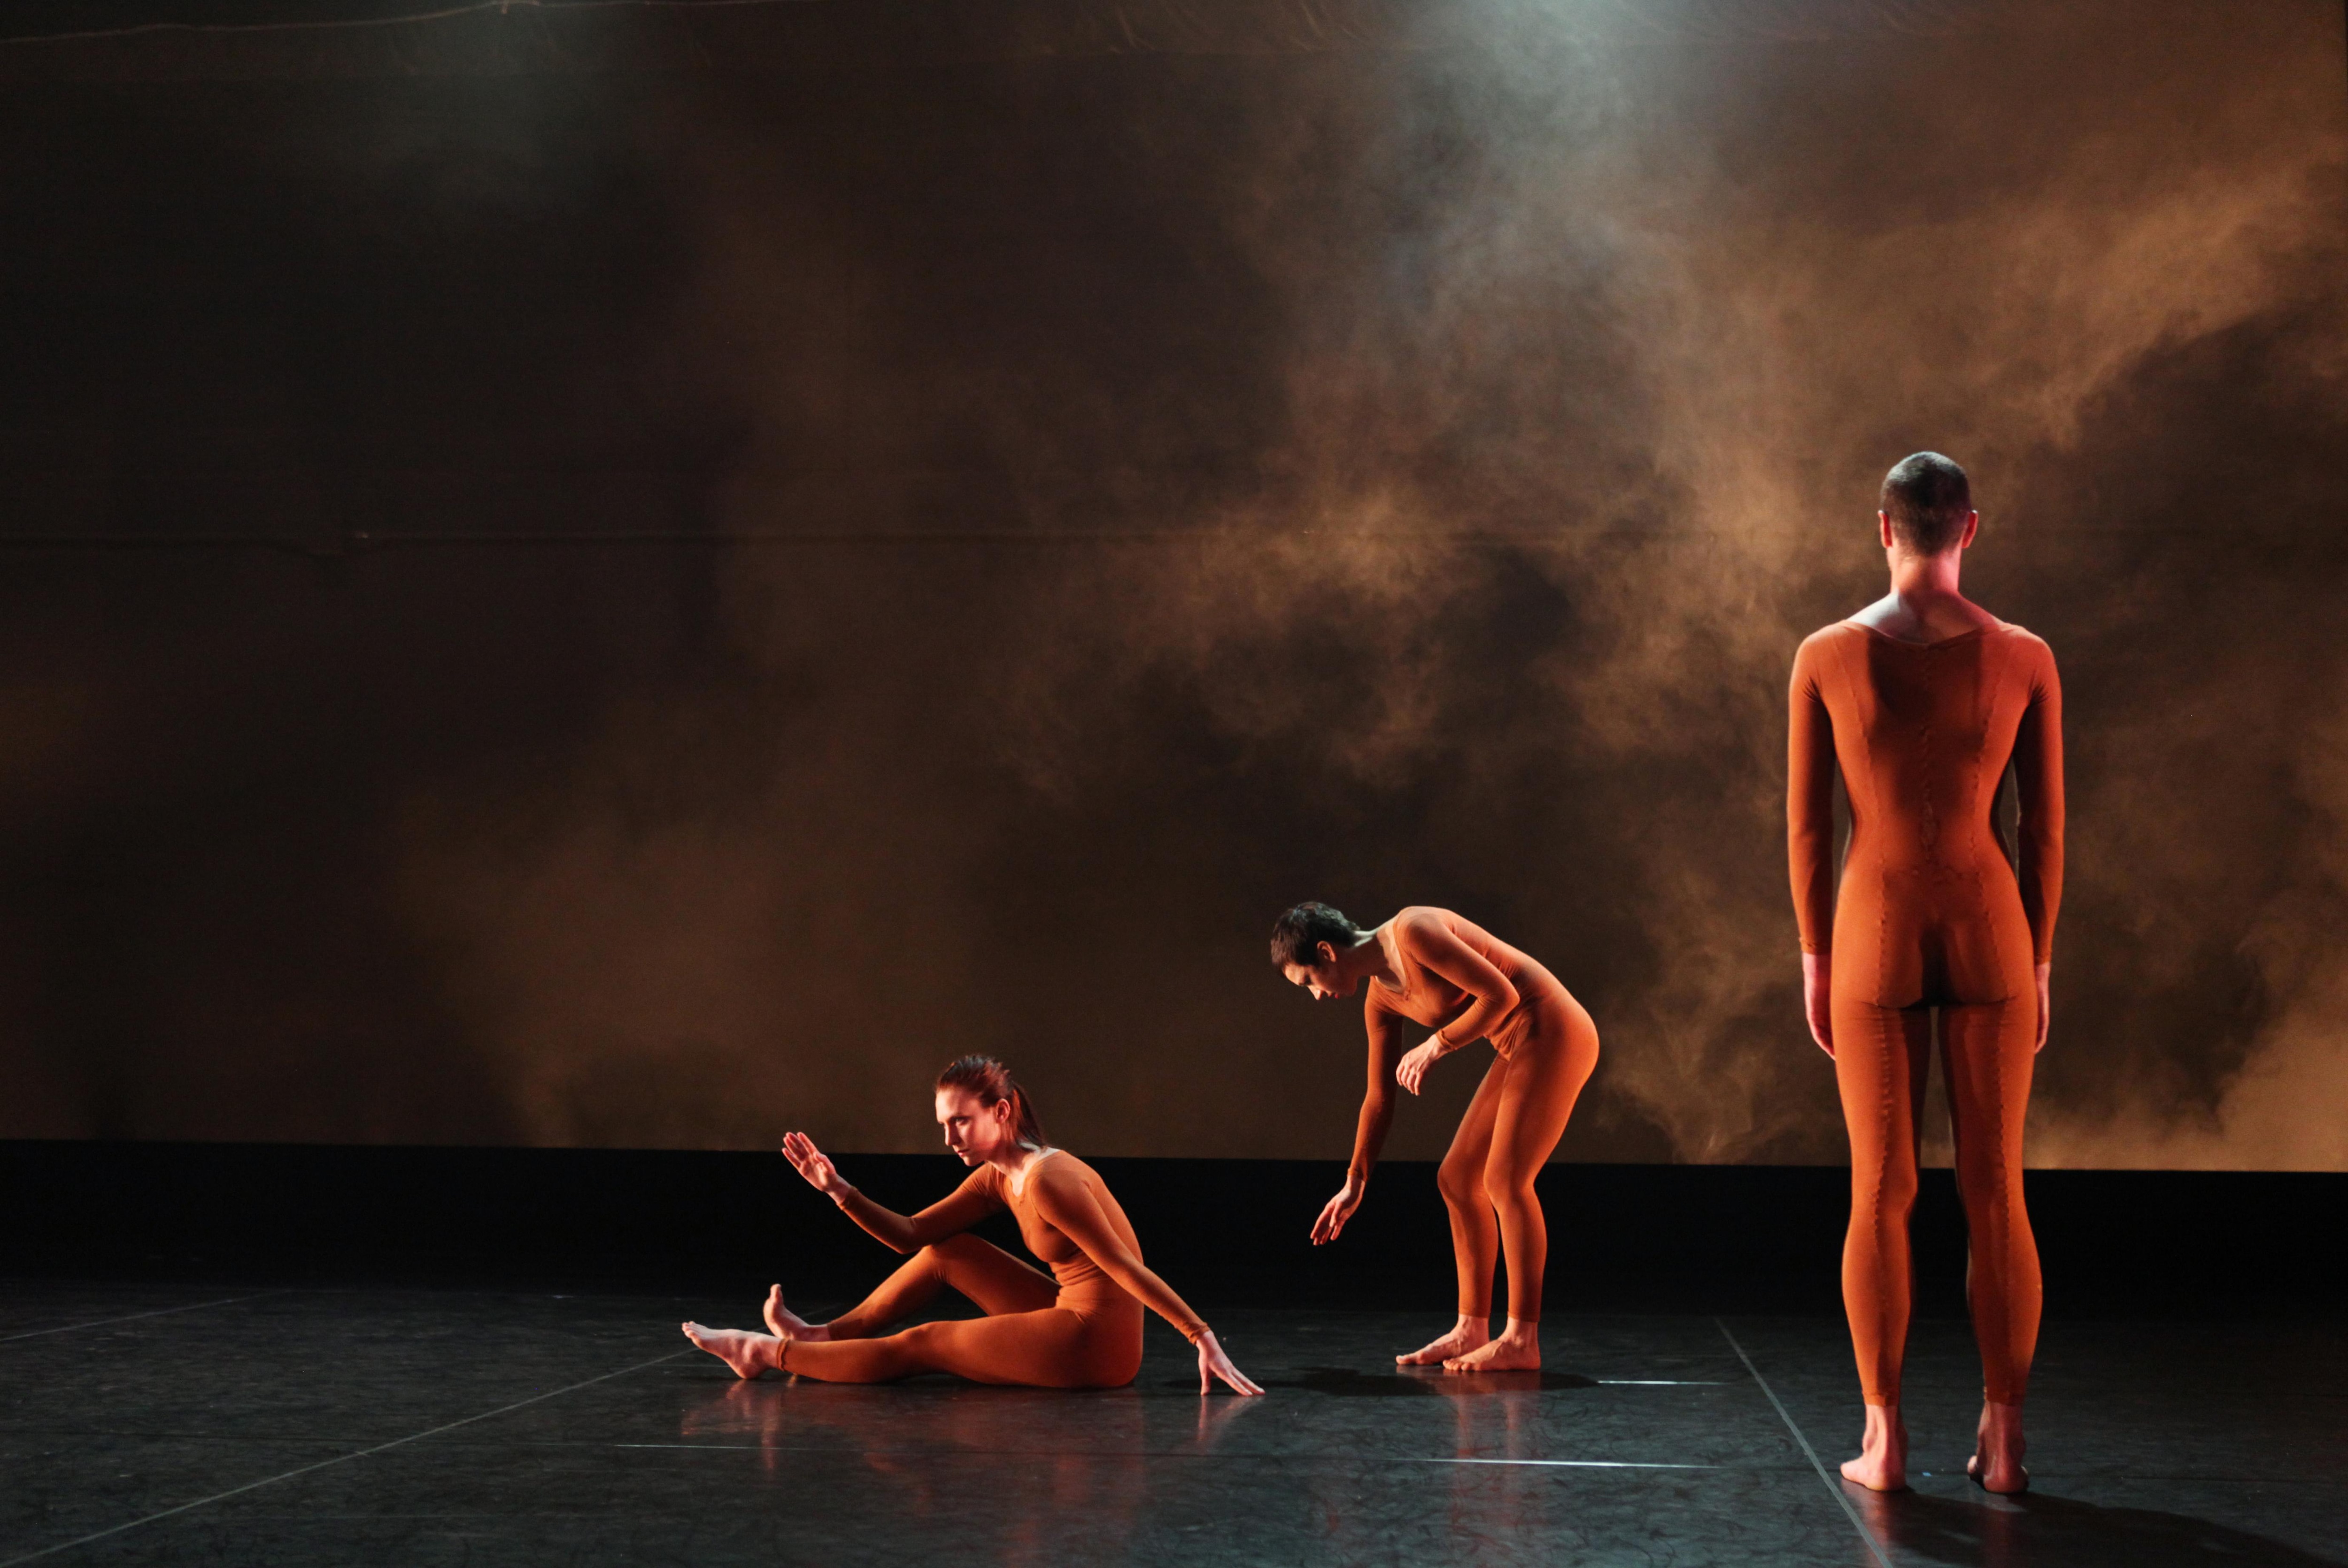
(790, 1325)
(1468, 1334)
(751, 1355)
(1996, 1464)
(1883, 1462)
(1517, 1349)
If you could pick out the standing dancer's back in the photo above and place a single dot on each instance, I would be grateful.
(1921, 700)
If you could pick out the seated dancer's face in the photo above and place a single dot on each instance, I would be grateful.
(974, 1130)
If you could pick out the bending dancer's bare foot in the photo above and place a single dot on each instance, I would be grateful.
(751, 1355)
(1468, 1334)
(1996, 1464)
(1883, 1462)
(790, 1325)
(1517, 1349)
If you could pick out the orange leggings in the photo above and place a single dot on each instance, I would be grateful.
(1987, 1051)
(1510, 1130)
(1030, 1335)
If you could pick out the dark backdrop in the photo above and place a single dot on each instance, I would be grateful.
(623, 576)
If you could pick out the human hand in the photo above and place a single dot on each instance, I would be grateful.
(1412, 1068)
(2045, 996)
(814, 1165)
(1214, 1364)
(1816, 969)
(1336, 1212)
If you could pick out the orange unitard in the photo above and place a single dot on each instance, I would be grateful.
(1077, 1328)
(1465, 984)
(1930, 913)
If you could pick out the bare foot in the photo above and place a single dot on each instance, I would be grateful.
(1996, 1464)
(790, 1325)
(1517, 1349)
(751, 1355)
(1883, 1462)
(1468, 1334)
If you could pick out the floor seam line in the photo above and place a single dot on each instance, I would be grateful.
(338, 1459)
(134, 1317)
(1874, 1547)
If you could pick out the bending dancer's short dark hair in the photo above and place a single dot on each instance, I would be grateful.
(1927, 497)
(986, 1079)
(1296, 935)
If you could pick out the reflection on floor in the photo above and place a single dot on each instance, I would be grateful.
(166, 1425)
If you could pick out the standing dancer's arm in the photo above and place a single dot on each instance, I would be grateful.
(2038, 788)
(1809, 836)
(950, 1216)
(1067, 1204)
(1437, 949)
(1388, 1030)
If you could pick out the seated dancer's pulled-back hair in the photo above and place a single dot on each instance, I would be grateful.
(1926, 496)
(1296, 935)
(991, 1082)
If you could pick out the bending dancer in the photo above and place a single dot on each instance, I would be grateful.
(1922, 698)
(1428, 968)
(1077, 1328)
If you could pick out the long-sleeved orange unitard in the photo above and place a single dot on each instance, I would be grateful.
(1077, 1328)
(1464, 983)
(1930, 913)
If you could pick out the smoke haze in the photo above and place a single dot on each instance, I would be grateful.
(924, 538)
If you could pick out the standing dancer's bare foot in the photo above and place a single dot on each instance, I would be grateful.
(790, 1325)
(1883, 1462)
(1996, 1464)
(1468, 1334)
(1517, 1349)
(751, 1355)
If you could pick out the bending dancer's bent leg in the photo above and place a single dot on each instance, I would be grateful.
(1880, 1056)
(1053, 1349)
(1987, 1053)
(1475, 1229)
(1544, 1078)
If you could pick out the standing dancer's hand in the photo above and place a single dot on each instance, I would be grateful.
(1815, 971)
(2045, 1000)
(1214, 1364)
(1336, 1212)
(1413, 1067)
(814, 1165)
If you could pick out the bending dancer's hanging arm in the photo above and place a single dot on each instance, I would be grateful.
(1491, 997)
(1809, 836)
(2038, 789)
(1388, 1030)
(950, 1215)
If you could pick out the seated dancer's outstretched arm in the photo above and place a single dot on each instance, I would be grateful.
(1437, 949)
(950, 1216)
(1063, 1200)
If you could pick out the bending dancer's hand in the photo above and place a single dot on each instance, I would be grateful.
(1412, 1068)
(1336, 1212)
(2045, 996)
(1815, 969)
(1214, 1364)
(814, 1165)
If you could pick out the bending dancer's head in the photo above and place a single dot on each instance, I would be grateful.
(1318, 949)
(1926, 509)
(983, 1111)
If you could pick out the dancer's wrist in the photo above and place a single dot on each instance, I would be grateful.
(840, 1193)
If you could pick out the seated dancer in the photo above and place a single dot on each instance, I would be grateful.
(1428, 968)
(1077, 1328)
(1922, 699)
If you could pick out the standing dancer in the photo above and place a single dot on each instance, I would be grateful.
(1428, 968)
(1078, 1326)
(1922, 698)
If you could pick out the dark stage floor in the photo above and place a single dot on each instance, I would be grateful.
(317, 1426)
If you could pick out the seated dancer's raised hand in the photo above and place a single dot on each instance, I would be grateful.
(814, 1165)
